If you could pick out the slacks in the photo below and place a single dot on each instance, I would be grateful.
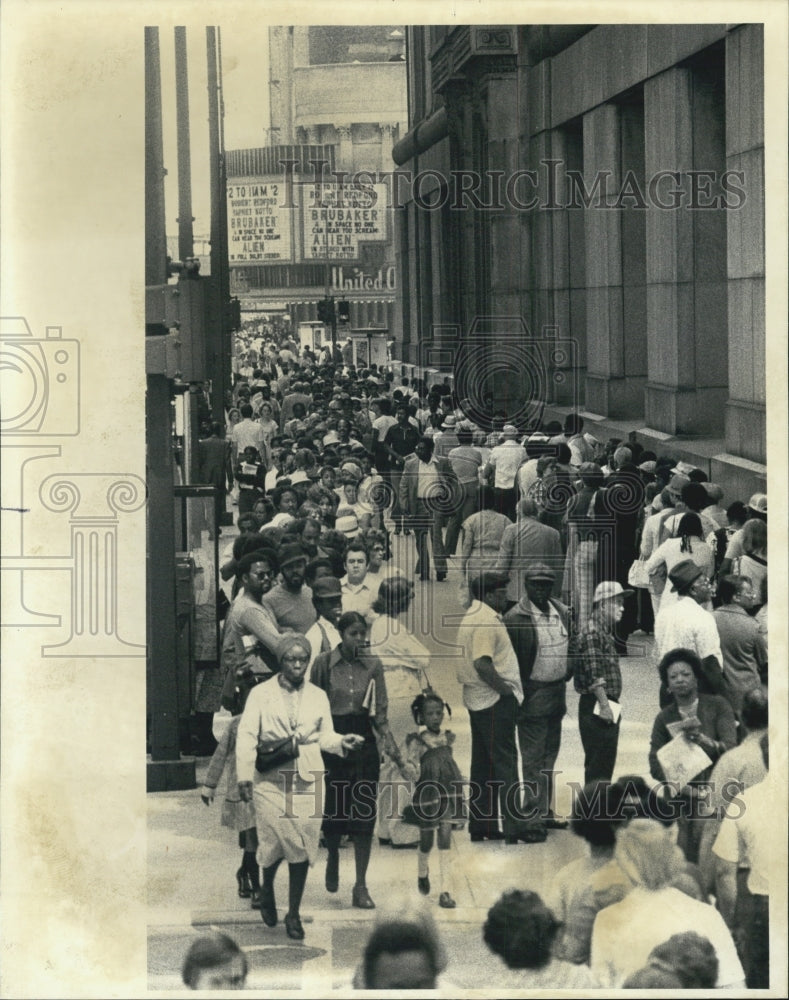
(539, 737)
(427, 528)
(467, 507)
(600, 741)
(494, 769)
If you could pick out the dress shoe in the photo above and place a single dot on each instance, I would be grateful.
(406, 531)
(293, 928)
(446, 901)
(527, 837)
(492, 835)
(256, 898)
(361, 898)
(552, 823)
(332, 873)
(423, 884)
(268, 907)
(385, 841)
(244, 885)
(440, 577)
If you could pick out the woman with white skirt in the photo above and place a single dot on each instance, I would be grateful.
(287, 797)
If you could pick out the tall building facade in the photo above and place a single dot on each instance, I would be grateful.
(599, 189)
(338, 105)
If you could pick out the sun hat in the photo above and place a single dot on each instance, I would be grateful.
(608, 589)
(347, 524)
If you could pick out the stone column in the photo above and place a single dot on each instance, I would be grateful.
(615, 303)
(745, 408)
(686, 254)
(345, 158)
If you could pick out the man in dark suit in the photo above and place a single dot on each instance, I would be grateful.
(428, 492)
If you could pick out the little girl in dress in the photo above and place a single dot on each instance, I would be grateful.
(236, 814)
(438, 795)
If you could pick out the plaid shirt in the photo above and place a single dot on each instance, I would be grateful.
(597, 661)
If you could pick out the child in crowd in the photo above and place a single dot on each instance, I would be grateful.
(215, 962)
(438, 798)
(236, 814)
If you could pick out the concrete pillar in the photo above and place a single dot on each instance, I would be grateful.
(345, 157)
(615, 274)
(745, 408)
(686, 254)
(559, 268)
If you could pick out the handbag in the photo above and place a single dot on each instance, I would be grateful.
(637, 575)
(275, 753)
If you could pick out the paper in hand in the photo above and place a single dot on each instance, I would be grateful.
(616, 710)
(682, 760)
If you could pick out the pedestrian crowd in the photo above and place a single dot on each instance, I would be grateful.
(566, 547)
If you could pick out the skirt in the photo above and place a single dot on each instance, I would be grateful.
(351, 783)
(438, 795)
(288, 822)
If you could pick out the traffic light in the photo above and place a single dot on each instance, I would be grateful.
(326, 310)
(343, 311)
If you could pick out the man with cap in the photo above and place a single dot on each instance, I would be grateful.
(685, 624)
(527, 542)
(598, 680)
(327, 601)
(504, 462)
(447, 438)
(757, 507)
(539, 629)
(291, 600)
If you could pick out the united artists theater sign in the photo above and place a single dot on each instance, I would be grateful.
(354, 279)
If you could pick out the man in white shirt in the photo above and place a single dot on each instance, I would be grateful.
(357, 593)
(466, 463)
(248, 433)
(686, 625)
(744, 841)
(428, 489)
(492, 692)
(653, 911)
(505, 460)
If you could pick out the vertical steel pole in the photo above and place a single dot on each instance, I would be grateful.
(155, 232)
(160, 523)
(185, 217)
(218, 338)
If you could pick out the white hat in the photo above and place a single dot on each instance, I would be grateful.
(509, 431)
(347, 524)
(607, 589)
